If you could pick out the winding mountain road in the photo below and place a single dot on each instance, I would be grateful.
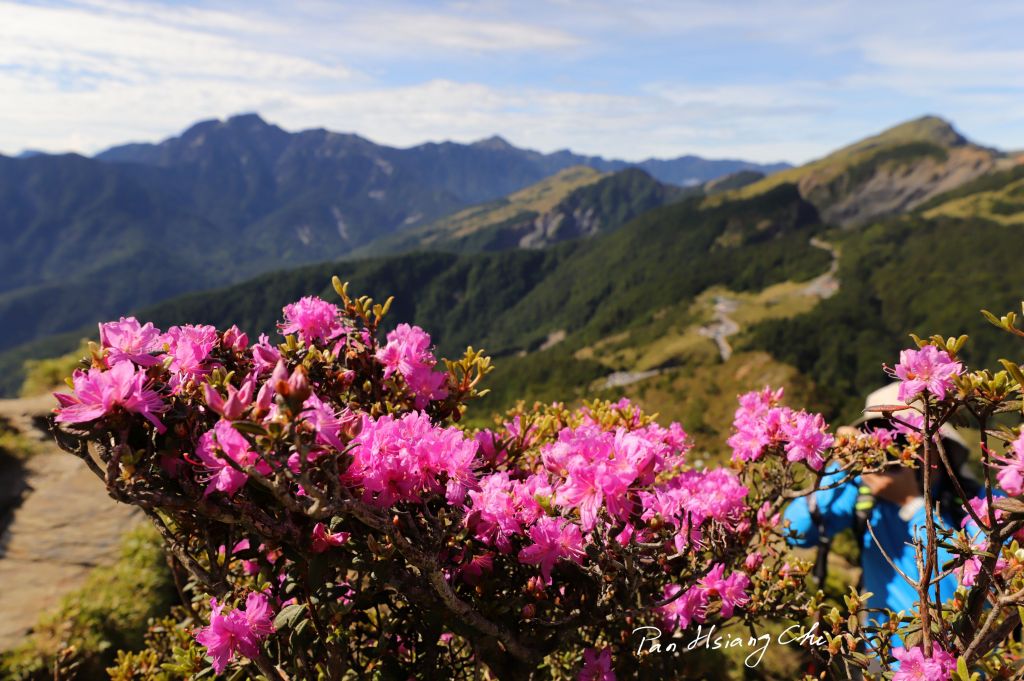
(723, 326)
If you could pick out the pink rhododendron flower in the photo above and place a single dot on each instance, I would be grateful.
(235, 339)
(324, 539)
(189, 347)
(597, 665)
(757, 422)
(473, 570)
(589, 484)
(400, 459)
(927, 370)
(526, 437)
(807, 439)
(224, 441)
(240, 631)
(125, 339)
(526, 494)
(490, 453)
(627, 535)
(329, 426)
(600, 467)
(258, 615)
(684, 609)
(760, 424)
(312, 318)
(732, 590)
(914, 666)
(1011, 473)
(979, 505)
(264, 355)
(99, 393)
(408, 353)
(554, 539)
(236, 403)
(494, 518)
(968, 573)
(693, 497)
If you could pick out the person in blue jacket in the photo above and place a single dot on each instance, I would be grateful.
(893, 504)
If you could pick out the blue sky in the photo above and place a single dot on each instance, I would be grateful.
(765, 81)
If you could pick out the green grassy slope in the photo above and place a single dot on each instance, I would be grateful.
(577, 202)
(886, 174)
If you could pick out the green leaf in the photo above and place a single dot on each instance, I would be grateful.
(288, 616)
(250, 428)
(992, 319)
(1014, 370)
(1009, 505)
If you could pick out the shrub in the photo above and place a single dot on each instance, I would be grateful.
(335, 522)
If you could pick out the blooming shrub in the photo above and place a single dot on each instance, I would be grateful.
(334, 520)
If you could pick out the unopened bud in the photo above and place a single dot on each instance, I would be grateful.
(299, 389)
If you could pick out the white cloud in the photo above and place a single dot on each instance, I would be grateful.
(50, 44)
(549, 75)
(407, 31)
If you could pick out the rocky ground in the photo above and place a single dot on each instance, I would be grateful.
(64, 527)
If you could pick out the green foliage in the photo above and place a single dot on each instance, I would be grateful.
(169, 653)
(110, 612)
(513, 300)
(906, 275)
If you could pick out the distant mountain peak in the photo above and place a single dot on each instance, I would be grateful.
(932, 129)
(494, 142)
(248, 120)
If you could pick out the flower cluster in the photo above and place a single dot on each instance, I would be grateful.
(928, 370)
(1011, 472)
(407, 458)
(553, 539)
(239, 631)
(408, 353)
(101, 393)
(312, 319)
(691, 605)
(915, 666)
(762, 424)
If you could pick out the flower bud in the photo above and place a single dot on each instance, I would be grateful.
(299, 389)
(236, 340)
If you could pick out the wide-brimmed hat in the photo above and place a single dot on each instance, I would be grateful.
(889, 396)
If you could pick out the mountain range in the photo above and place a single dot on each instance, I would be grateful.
(592, 282)
(88, 238)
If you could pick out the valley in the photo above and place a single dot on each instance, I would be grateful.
(675, 279)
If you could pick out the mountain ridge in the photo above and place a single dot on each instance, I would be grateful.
(685, 169)
(888, 173)
(222, 201)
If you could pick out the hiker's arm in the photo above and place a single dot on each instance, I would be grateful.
(836, 506)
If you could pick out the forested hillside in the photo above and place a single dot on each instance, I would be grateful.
(739, 275)
(89, 238)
